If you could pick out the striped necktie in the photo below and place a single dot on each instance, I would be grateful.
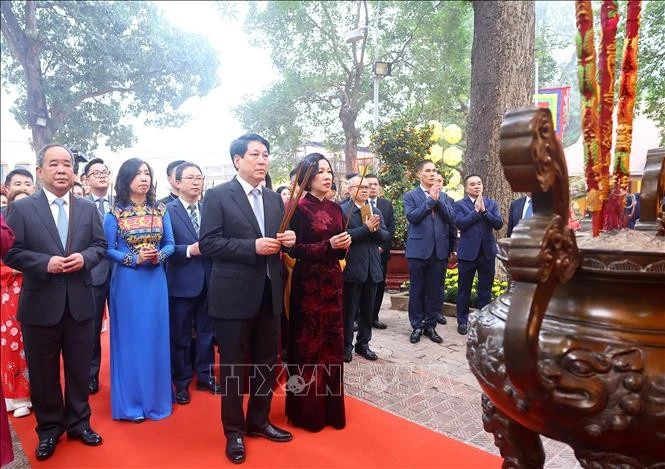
(194, 217)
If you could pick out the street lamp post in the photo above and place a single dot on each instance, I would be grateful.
(381, 69)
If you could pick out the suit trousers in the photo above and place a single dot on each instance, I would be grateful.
(187, 315)
(43, 346)
(426, 278)
(101, 293)
(467, 270)
(358, 298)
(380, 289)
(248, 351)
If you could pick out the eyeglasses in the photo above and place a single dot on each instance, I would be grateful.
(362, 188)
(193, 178)
(99, 174)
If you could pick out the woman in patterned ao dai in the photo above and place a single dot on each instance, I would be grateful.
(140, 239)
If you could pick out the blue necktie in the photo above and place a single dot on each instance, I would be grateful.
(257, 206)
(62, 223)
(529, 209)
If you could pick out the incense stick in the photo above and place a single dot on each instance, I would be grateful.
(293, 203)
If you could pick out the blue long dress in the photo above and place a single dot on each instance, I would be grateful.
(139, 312)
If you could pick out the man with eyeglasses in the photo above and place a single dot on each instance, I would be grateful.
(363, 267)
(187, 275)
(99, 181)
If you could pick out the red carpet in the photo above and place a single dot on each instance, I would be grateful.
(192, 438)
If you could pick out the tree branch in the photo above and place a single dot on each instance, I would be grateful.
(328, 36)
(59, 117)
(13, 33)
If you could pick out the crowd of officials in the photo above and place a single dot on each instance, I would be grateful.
(297, 272)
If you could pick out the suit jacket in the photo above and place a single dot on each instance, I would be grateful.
(100, 273)
(515, 213)
(363, 260)
(229, 231)
(431, 225)
(44, 295)
(386, 208)
(168, 199)
(476, 229)
(186, 277)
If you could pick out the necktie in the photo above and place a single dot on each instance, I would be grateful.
(100, 206)
(62, 223)
(528, 213)
(257, 206)
(194, 217)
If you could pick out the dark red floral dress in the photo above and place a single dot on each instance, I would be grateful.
(315, 385)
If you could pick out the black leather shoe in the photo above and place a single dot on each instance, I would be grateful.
(462, 329)
(182, 397)
(367, 353)
(272, 433)
(415, 336)
(379, 325)
(431, 333)
(347, 357)
(93, 386)
(46, 448)
(235, 450)
(441, 319)
(210, 386)
(88, 437)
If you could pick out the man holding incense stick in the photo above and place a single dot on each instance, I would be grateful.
(239, 232)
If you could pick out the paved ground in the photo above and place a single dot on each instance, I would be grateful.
(427, 383)
(430, 384)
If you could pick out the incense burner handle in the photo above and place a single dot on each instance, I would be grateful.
(651, 195)
(542, 249)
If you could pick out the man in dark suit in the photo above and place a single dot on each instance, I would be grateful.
(239, 227)
(170, 174)
(59, 238)
(363, 269)
(188, 274)
(385, 206)
(520, 208)
(18, 179)
(476, 217)
(429, 244)
(99, 181)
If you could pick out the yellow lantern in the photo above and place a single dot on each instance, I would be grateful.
(452, 156)
(452, 134)
(455, 179)
(437, 131)
(435, 153)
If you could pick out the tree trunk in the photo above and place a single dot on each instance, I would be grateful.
(501, 79)
(348, 117)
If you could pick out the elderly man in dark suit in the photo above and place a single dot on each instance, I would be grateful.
(239, 227)
(519, 208)
(363, 267)
(476, 217)
(59, 239)
(99, 180)
(385, 206)
(188, 274)
(429, 244)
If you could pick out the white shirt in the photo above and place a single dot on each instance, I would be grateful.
(50, 196)
(248, 188)
(526, 203)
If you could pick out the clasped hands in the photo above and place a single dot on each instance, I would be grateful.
(266, 246)
(65, 265)
(373, 223)
(480, 204)
(147, 254)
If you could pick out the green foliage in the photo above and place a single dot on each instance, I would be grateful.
(400, 146)
(99, 62)
(651, 58)
(451, 286)
(325, 90)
